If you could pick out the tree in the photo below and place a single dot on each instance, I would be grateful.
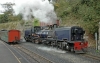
(4, 18)
(8, 7)
(7, 15)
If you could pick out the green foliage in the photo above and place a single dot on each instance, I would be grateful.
(61, 8)
(19, 16)
(88, 11)
(22, 22)
(56, 6)
(75, 9)
(8, 16)
(3, 18)
(36, 22)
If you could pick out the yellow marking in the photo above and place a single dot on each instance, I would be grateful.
(12, 53)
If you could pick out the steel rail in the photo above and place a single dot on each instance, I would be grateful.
(33, 55)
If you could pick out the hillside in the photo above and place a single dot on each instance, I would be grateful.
(11, 25)
(85, 13)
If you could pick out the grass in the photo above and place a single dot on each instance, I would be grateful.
(97, 51)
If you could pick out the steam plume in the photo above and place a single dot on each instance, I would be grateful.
(40, 9)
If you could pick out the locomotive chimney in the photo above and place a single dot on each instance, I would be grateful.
(57, 22)
(55, 26)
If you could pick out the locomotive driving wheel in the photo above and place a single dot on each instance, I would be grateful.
(36, 41)
(72, 49)
(67, 47)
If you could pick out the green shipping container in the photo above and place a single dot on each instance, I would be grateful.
(4, 35)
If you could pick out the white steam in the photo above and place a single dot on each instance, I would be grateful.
(40, 9)
(51, 49)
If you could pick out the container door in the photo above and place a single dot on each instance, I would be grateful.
(14, 35)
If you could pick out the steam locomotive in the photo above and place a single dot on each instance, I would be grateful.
(67, 38)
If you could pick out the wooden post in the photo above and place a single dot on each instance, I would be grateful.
(96, 38)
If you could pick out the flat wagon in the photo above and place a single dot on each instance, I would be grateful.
(10, 36)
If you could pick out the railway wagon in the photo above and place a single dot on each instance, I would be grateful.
(10, 36)
(70, 38)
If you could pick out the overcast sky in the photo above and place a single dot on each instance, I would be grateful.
(17, 2)
(40, 9)
(5, 1)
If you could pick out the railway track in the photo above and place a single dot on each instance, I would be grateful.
(91, 56)
(41, 59)
(38, 58)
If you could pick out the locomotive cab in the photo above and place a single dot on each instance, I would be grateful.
(77, 33)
